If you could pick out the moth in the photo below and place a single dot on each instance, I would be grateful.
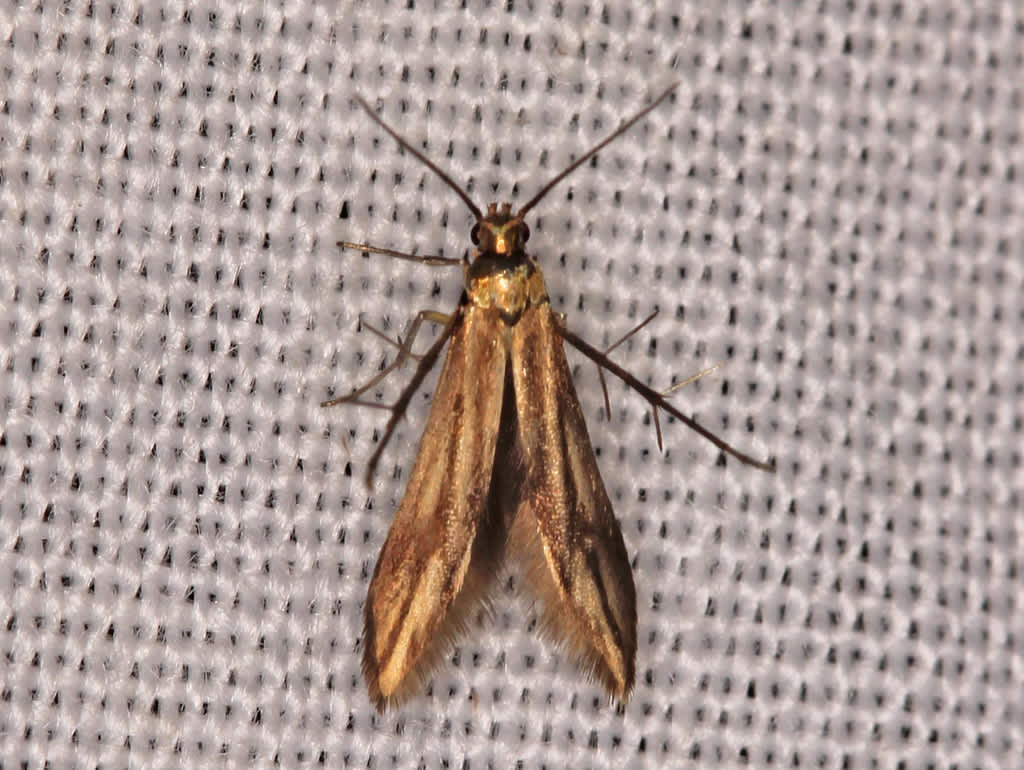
(505, 468)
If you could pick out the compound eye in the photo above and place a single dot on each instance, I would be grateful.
(474, 235)
(526, 232)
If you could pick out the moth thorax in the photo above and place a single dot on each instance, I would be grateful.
(500, 283)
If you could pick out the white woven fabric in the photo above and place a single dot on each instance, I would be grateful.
(831, 206)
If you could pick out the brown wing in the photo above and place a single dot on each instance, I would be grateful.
(577, 561)
(420, 592)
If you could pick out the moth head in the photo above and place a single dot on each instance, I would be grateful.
(500, 232)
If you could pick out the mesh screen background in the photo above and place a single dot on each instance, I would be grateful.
(830, 206)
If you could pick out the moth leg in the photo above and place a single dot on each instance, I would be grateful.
(609, 349)
(691, 379)
(426, 363)
(395, 343)
(424, 259)
(654, 398)
(404, 353)
(672, 389)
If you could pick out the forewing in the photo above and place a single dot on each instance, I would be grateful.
(565, 526)
(419, 588)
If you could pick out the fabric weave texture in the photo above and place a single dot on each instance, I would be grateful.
(830, 207)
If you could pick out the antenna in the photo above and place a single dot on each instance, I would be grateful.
(591, 153)
(421, 157)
